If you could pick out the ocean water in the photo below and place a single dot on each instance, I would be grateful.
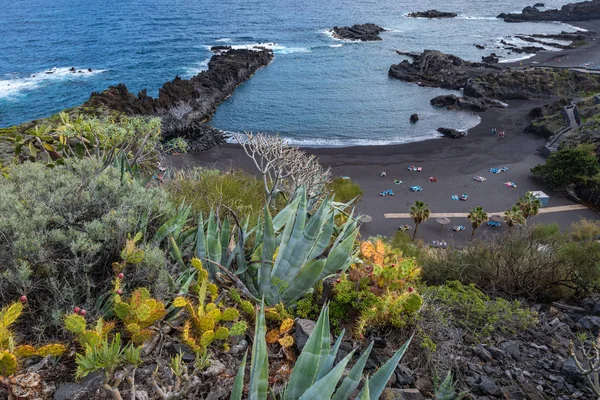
(318, 91)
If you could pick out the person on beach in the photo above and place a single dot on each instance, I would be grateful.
(501, 135)
(493, 131)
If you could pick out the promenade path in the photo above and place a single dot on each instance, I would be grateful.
(547, 210)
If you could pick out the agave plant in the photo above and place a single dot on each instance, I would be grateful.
(314, 375)
(291, 252)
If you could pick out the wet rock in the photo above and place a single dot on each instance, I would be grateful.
(451, 133)
(217, 49)
(363, 32)
(479, 46)
(491, 59)
(432, 14)
(537, 5)
(414, 118)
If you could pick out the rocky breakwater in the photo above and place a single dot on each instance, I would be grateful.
(363, 32)
(583, 11)
(433, 68)
(431, 14)
(185, 104)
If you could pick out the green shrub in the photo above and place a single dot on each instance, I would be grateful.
(206, 189)
(575, 165)
(538, 263)
(467, 307)
(61, 230)
(402, 241)
(344, 189)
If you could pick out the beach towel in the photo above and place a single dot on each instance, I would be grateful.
(464, 197)
(510, 184)
(459, 228)
(383, 174)
(479, 178)
(494, 224)
(432, 179)
(416, 188)
(397, 182)
(454, 197)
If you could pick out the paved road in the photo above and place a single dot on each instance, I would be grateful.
(546, 210)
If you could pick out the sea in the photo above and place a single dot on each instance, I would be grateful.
(318, 91)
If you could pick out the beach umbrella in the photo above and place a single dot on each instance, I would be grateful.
(365, 219)
(442, 221)
(496, 218)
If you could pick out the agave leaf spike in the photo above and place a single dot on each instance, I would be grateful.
(266, 263)
(323, 240)
(238, 384)
(225, 239)
(328, 364)
(200, 240)
(324, 387)
(339, 256)
(351, 382)
(282, 217)
(381, 377)
(309, 362)
(213, 244)
(365, 395)
(259, 369)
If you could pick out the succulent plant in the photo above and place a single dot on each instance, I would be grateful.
(314, 375)
(137, 314)
(77, 324)
(208, 321)
(9, 352)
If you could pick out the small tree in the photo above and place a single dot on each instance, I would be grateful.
(284, 168)
(514, 216)
(529, 205)
(576, 165)
(420, 213)
(477, 217)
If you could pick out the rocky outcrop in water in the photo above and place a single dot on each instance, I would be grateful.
(364, 32)
(451, 133)
(453, 102)
(433, 68)
(185, 103)
(586, 10)
(432, 14)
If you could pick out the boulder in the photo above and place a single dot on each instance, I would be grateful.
(488, 386)
(304, 327)
(451, 133)
(453, 102)
(433, 68)
(363, 32)
(482, 353)
(569, 370)
(491, 59)
(479, 46)
(401, 394)
(217, 49)
(414, 118)
(432, 14)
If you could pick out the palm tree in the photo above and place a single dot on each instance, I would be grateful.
(514, 216)
(477, 217)
(420, 213)
(529, 205)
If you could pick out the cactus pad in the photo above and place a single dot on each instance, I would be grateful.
(54, 349)
(230, 314)
(179, 301)
(10, 314)
(222, 333)
(272, 336)
(286, 325)
(142, 312)
(238, 329)
(207, 338)
(286, 341)
(25, 351)
(8, 363)
(75, 323)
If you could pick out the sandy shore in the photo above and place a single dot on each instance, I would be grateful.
(453, 161)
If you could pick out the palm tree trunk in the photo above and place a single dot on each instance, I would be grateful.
(415, 233)
(473, 233)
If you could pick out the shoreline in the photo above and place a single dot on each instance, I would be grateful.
(453, 161)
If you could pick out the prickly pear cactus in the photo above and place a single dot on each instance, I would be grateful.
(208, 322)
(138, 313)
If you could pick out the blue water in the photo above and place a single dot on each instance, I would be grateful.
(317, 91)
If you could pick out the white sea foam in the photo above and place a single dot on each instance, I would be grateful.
(224, 40)
(336, 45)
(477, 17)
(13, 87)
(513, 41)
(197, 68)
(573, 27)
(329, 33)
(275, 47)
(521, 58)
